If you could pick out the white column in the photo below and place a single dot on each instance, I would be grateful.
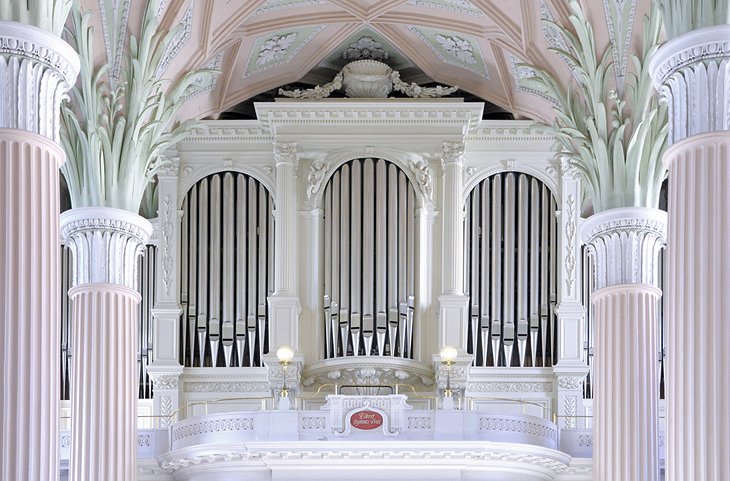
(36, 70)
(693, 72)
(625, 244)
(571, 368)
(105, 244)
(426, 339)
(284, 304)
(453, 304)
(165, 369)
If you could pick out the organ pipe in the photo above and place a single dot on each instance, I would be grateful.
(369, 250)
(184, 253)
(510, 272)
(226, 256)
(192, 280)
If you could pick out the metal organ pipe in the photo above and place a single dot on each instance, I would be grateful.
(227, 257)
(192, 280)
(496, 268)
(511, 271)
(184, 255)
(534, 268)
(370, 281)
(241, 277)
(202, 303)
(214, 269)
(484, 237)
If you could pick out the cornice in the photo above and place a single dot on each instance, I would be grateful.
(386, 112)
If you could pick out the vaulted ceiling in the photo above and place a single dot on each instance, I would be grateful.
(258, 45)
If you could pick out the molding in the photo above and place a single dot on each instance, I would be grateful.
(105, 244)
(457, 455)
(37, 68)
(463, 115)
(625, 244)
(224, 422)
(369, 370)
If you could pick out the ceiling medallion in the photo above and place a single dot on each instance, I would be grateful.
(368, 79)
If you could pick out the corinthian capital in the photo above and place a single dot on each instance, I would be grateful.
(453, 153)
(285, 153)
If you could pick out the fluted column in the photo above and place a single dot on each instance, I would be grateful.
(693, 75)
(284, 304)
(36, 70)
(453, 316)
(105, 244)
(625, 244)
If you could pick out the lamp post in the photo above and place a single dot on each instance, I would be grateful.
(285, 355)
(448, 357)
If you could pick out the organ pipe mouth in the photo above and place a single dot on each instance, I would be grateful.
(202, 321)
(214, 330)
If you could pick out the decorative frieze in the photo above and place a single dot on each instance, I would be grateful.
(222, 386)
(510, 387)
(105, 244)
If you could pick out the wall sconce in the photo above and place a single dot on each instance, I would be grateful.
(285, 355)
(448, 357)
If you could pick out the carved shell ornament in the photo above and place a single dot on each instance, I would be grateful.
(368, 79)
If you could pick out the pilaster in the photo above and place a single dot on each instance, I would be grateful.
(312, 267)
(571, 369)
(284, 305)
(453, 303)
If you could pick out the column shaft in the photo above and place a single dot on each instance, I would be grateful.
(453, 224)
(29, 306)
(625, 444)
(697, 307)
(105, 377)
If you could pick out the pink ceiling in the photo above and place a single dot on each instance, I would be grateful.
(231, 29)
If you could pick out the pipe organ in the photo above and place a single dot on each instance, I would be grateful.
(226, 271)
(511, 273)
(146, 285)
(369, 258)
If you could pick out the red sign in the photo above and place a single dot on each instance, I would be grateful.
(366, 420)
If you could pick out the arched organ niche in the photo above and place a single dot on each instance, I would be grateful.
(369, 259)
(226, 271)
(511, 274)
